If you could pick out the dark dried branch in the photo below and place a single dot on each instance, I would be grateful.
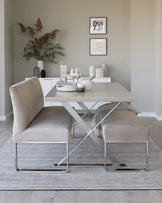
(53, 33)
(22, 27)
(30, 31)
(39, 25)
(47, 37)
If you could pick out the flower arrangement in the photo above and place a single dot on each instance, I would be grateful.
(40, 47)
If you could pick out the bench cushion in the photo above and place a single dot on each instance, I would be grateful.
(52, 124)
(123, 125)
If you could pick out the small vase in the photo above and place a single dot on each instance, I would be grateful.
(36, 71)
(43, 73)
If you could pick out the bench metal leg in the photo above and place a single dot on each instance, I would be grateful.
(56, 169)
(147, 164)
(105, 156)
(67, 157)
(16, 157)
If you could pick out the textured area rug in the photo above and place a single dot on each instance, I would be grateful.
(96, 178)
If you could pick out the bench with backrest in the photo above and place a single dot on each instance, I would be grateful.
(34, 123)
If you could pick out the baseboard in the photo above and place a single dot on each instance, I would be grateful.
(6, 117)
(150, 114)
(147, 114)
(159, 118)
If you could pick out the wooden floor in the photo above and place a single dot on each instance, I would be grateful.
(150, 196)
(82, 197)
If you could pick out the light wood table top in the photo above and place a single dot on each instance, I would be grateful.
(100, 92)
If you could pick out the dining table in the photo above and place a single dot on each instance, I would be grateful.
(100, 92)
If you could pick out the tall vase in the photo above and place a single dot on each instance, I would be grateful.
(40, 65)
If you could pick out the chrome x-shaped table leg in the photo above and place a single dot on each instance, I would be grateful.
(87, 129)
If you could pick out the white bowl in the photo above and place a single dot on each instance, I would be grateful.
(87, 83)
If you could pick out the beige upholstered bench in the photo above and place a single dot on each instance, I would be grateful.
(123, 126)
(34, 123)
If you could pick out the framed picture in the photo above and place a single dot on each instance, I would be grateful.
(98, 46)
(98, 25)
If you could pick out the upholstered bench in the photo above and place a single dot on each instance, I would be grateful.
(34, 123)
(123, 126)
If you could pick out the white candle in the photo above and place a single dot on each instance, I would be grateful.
(104, 67)
(71, 71)
(98, 72)
(91, 71)
(63, 71)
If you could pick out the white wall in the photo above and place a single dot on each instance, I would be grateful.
(72, 18)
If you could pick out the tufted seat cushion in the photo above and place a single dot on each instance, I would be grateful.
(52, 124)
(123, 125)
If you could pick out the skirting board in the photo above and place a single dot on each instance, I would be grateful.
(6, 117)
(150, 114)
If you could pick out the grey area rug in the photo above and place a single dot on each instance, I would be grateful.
(95, 178)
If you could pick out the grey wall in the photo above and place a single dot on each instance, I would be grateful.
(142, 53)
(134, 43)
(2, 59)
(146, 55)
(9, 61)
(158, 57)
(72, 18)
(6, 55)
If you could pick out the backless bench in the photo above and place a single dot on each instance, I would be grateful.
(123, 126)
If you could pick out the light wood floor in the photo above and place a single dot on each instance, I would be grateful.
(151, 196)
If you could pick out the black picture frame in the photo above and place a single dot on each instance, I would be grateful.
(98, 46)
(98, 25)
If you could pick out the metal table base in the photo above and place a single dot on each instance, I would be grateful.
(89, 131)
